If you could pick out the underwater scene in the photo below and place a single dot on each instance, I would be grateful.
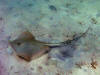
(49, 37)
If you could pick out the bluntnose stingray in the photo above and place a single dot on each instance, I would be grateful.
(28, 48)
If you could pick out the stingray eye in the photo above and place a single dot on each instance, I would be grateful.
(18, 43)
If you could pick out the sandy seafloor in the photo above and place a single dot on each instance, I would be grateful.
(51, 21)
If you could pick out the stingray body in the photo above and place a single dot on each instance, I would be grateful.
(28, 48)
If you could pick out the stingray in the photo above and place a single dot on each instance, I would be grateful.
(27, 47)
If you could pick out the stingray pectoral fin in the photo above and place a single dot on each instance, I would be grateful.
(26, 36)
(40, 52)
(26, 58)
(35, 55)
